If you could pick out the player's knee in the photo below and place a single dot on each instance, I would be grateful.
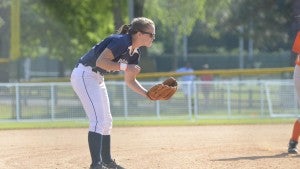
(94, 127)
(107, 126)
(103, 127)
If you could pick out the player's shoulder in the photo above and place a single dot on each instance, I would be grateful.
(120, 40)
(119, 43)
(121, 37)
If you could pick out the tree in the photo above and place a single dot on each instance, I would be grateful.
(266, 22)
(66, 29)
(119, 12)
(177, 18)
(4, 28)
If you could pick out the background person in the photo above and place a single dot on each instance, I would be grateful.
(187, 68)
(118, 52)
(206, 87)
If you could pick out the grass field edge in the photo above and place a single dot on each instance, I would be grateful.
(5, 125)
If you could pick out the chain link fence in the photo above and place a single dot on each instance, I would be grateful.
(194, 100)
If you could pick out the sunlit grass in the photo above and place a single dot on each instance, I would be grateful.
(137, 123)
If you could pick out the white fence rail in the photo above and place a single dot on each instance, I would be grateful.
(216, 99)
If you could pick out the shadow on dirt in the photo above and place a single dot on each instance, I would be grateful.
(281, 155)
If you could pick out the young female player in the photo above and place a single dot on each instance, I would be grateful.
(117, 52)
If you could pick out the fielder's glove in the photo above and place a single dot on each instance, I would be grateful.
(163, 91)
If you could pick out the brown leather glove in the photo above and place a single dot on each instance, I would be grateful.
(163, 91)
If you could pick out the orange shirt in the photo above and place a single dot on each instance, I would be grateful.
(296, 48)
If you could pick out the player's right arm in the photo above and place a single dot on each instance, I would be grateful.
(105, 62)
(132, 82)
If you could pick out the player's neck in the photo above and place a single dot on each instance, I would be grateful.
(132, 50)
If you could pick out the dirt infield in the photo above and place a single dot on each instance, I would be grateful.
(191, 147)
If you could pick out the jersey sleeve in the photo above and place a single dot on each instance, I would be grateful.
(117, 46)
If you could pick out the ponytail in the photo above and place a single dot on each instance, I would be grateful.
(124, 29)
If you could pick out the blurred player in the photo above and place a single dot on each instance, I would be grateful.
(206, 88)
(187, 68)
(296, 128)
(118, 52)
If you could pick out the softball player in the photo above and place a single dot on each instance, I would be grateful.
(292, 146)
(296, 128)
(117, 52)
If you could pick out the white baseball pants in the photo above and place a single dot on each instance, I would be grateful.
(297, 82)
(91, 90)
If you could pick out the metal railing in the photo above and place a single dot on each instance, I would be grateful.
(198, 99)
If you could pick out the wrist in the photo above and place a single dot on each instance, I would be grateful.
(123, 66)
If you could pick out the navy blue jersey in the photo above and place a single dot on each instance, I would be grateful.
(119, 44)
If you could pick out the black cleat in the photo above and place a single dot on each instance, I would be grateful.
(111, 165)
(293, 147)
(96, 166)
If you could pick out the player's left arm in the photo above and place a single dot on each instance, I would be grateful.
(130, 79)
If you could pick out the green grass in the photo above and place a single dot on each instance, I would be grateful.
(135, 123)
(42, 124)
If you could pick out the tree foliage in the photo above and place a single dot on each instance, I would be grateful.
(3, 4)
(216, 13)
(64, 29)
(178, 14)
(177, 19)
(266, 22)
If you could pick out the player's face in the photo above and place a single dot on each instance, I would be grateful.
(148, 36)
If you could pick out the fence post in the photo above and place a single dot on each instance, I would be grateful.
(269, 100)
(195, 100)
(262, 105)
(17, 101)
(190, 98)
(228, 100)
(52, 94)
(125, 101)
(157, 103)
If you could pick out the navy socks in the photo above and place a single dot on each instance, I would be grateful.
(105, 153)
(95, 141)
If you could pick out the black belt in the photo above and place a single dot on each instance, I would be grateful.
(93, 69)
